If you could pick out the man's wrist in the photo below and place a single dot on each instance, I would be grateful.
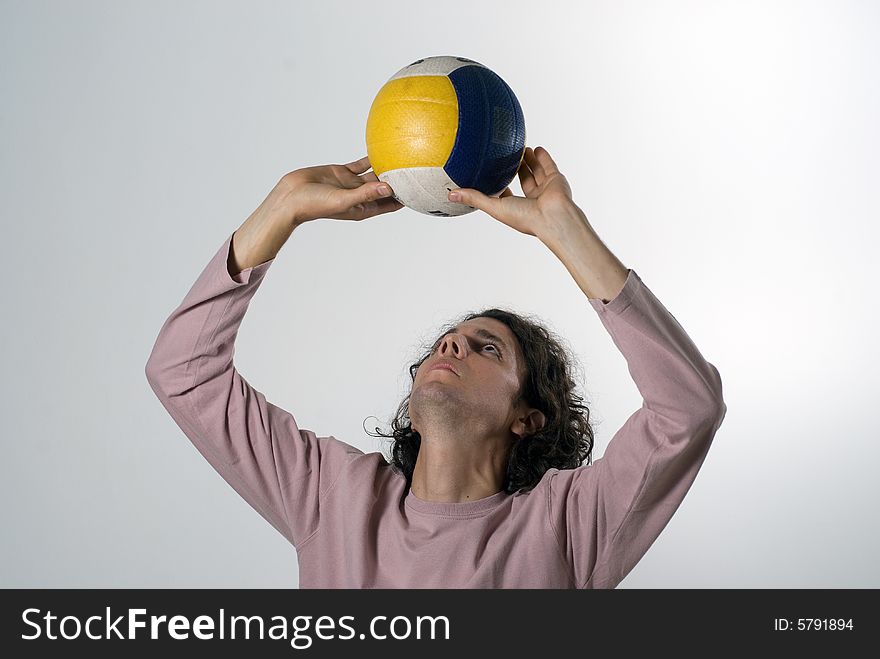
(558, 231)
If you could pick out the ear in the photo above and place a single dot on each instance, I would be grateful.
(529, 423)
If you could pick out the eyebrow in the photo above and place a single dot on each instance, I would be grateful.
(486, 334)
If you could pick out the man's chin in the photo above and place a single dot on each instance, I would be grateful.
(435, 397)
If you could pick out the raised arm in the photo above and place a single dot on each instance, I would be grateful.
(606, 515)
(336, 192)
(548, 212)
(257, 447)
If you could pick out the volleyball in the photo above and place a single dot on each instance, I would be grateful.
(443, 123)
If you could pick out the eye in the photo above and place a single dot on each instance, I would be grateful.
(494, 347)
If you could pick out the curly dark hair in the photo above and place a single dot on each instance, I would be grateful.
(566, 439)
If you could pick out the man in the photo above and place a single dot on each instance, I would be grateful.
(484, 488)
(511, 368)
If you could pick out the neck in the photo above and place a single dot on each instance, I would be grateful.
(452, 471)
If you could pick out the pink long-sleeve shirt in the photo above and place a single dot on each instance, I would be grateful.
(341, 508)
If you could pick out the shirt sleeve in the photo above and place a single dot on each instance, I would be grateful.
(257, 447)
(606, 515)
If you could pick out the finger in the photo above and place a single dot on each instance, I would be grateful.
(526, 178)
(386, 206)
(359, 166)
(371, 208)
(535, 166)
(475, 199)
(366, 193)
(546, 161)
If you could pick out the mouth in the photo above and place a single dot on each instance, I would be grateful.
(445, 367)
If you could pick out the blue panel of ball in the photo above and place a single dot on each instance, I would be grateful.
(491, 131)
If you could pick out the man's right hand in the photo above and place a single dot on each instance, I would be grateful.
(336, 192)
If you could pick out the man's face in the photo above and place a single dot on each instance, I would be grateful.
(484, 385)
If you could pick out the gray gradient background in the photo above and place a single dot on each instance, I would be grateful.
(726, 151)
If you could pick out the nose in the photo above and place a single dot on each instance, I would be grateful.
(453, 345)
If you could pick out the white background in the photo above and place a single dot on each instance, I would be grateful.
(726, 151)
